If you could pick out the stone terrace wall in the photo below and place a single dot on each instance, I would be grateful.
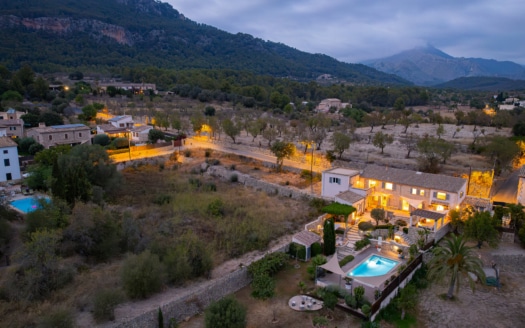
(268, 187)
(510, 263)
(193, 301)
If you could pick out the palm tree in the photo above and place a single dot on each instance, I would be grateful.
(455, 259)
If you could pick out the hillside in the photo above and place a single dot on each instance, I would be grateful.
(481, 83)
(101, 34)
(431, 66)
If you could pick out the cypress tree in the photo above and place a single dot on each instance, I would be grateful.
(329, 237)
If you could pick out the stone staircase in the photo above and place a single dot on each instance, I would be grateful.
(352, 235)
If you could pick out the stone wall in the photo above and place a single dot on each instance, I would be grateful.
(510, 263)
(193, 301)
(267, 187)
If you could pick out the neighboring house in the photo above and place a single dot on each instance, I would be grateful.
(11, 114)
(9, 164)
(139, 134)
(3, 131)
(68, 134)
(137, 88)
(14, 127)
(506, 107)
(325, 105)
(117, 126)
(396, 189)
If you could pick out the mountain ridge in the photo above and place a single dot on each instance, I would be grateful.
(430, 66)
(107, 33)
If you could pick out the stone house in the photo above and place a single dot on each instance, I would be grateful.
(68, 134)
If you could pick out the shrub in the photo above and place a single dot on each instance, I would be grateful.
(263, 287)
(61, 317)
(207, 153)
(234, 178)
(297, 251)
(101, 139)
(121, 143)
(401, 268)
(320, 321)
(351, 301)
(314, 263)
(187, 153)
(216, 208)
(270, 264)
(405, 231)
(366, 309)
(210, 186)
(142, 275)
(401, 223)
(360, 244)
(384, 226)
(330, 300)
(227, 312)
(35, 148)
(316, 249)
(346, 260)
(359, 293)
(105, 303)
(162, 199)
(232, 167)
(365, 226)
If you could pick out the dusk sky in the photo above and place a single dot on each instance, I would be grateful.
(356, 30)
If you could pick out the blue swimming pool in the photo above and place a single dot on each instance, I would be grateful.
(373, 266)
(28, 204)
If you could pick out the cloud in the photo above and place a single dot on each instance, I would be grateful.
(356, 30)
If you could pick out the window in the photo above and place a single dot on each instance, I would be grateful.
(413, 191)
(421, 192)
(372, 183)
(50, 137)
(121, 125)
(12, 128)
(335, 180)
(8, 176)
(389, 186)
(441, 195)
(5, 151)
(6, 162)
(65, 136)
(80, 134)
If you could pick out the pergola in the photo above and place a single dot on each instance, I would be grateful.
(427, 215)
(339, 209)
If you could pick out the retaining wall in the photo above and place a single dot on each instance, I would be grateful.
(267, 187)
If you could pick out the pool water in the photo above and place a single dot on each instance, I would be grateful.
(29, 204)
(373, 266)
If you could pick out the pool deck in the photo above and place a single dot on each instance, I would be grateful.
(370, 283)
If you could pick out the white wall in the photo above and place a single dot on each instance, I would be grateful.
(14, 165)
(330, 189)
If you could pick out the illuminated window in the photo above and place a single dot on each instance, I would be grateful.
(422, 192)
(413, 191)
(440, 208)
(441, 195)
(389, 186)
(372, 183)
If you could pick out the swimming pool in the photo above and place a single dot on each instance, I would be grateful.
(28, 204)
(373, 266)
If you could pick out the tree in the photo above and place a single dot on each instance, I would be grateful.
(440, 130)
(481, 227)
(407, 299)
(410, 142)
(231, 129)
(381, 139)
(155, 135)
(340, 142)
(329, 237)
(399, 104)
(432, 151)
(282, 150)
(101, 139)
(89, 112)
(142, 275)
(502, 151)
(378, 214)
(209, 111)
(453, 259)
(50, 119)
(227, 312)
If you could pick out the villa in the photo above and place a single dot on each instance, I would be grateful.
(66, 134)
(9, 165)
(392, 188)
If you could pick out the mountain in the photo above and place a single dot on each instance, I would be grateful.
(58, 35)
(483, 83)
(431, 66)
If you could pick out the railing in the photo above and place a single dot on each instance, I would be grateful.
(376, 306)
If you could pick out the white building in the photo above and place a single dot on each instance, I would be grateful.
(9, 164)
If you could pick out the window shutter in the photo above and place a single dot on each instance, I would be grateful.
(448, 196)
(435, 194)
(383, 185)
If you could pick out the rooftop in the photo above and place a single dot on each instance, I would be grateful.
(349, 196)
(306, 238)
(7, 142)
(413, 178)
(342, 171)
